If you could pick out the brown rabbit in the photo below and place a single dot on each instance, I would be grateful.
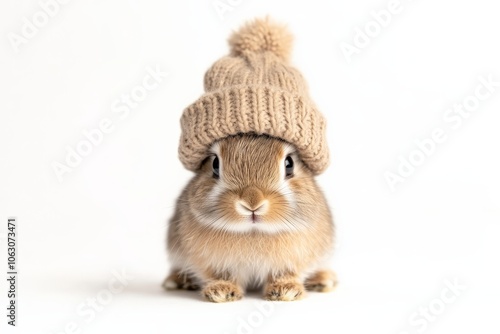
(253, 215)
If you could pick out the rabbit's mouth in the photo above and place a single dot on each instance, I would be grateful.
(254, 212)
(255, 218)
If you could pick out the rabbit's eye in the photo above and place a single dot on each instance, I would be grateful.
(215, 167)
(289, 166)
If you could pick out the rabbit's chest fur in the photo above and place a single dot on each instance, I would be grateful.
(252, 257)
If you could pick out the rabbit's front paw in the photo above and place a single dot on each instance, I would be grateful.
(222, 291)
(284, 291)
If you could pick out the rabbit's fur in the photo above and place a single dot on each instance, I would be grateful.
(215, 244)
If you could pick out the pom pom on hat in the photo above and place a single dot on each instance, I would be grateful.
(262, 35)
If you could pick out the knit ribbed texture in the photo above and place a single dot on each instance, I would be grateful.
(254, 90)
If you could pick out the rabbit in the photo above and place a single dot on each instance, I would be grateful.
(252, 216)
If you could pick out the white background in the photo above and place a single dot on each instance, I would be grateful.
(395, 249)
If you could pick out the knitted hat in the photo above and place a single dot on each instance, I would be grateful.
(255, 90)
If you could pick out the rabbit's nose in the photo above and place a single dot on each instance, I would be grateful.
(245, 209)
(251, 200)
(244, 206)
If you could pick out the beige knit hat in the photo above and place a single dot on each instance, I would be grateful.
(255, 90)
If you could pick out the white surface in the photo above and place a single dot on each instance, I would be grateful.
(395, 249)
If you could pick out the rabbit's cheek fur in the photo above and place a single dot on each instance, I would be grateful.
(227, 211)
